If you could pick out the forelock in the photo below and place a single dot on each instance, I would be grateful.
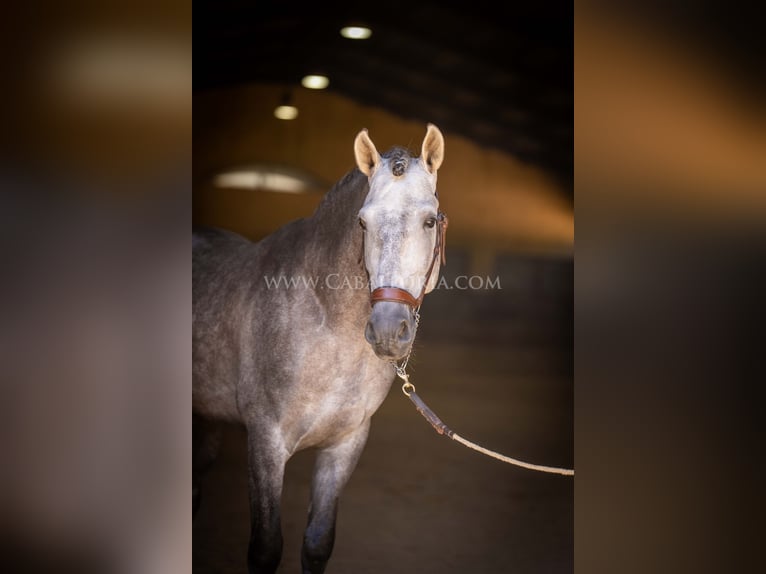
(398, 159)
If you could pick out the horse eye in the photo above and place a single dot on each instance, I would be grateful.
(430, 222)
(362, 224)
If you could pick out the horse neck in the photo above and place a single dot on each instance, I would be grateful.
(337, 242)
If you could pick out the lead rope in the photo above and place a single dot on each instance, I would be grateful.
(409, 390)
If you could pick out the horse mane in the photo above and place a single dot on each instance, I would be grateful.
(336, 233)
(344, 199)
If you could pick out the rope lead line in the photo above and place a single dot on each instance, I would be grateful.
(441, 428)
(509, 460)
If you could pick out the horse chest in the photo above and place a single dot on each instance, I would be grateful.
(328, 405)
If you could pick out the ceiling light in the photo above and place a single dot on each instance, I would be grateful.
(252, 179)
(286, 112)
(356, 32)
(315, 82)
(286, 179)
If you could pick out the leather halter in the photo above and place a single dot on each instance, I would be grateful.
(398, 295)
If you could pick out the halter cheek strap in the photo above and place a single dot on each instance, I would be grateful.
(397, 295)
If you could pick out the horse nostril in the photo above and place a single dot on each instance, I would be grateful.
(369, 333)
(403, 335)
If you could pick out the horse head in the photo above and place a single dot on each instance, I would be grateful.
(403, 237)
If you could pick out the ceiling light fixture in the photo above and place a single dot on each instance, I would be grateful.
(253, 179)
(356, 32)
(282, 178)
(286, 110)
(315, 82)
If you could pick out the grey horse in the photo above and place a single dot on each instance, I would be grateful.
(286, 341)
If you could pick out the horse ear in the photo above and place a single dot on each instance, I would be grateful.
(367, 157)
(433, 149)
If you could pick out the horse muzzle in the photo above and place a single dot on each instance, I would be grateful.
(390, 330)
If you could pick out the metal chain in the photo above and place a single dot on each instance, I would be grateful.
(401, 368)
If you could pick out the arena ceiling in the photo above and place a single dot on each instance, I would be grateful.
(503, 79)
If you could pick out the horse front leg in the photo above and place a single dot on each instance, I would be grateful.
(266, 468)
(333, 468)
(206, 441)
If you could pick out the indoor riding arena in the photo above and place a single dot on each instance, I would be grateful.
(493, 354)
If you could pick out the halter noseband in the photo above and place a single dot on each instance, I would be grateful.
(398, 295)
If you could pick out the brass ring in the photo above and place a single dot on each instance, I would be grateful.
(408, 388)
